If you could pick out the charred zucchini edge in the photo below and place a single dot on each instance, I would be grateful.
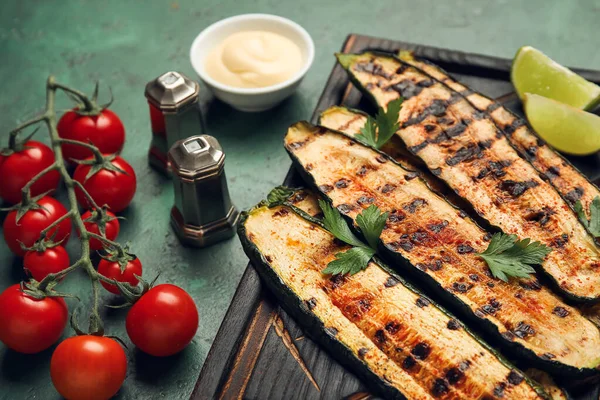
(433, 286)
(562, 158)
(315, 328)
(345, 61)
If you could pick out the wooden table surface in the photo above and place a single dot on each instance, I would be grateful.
(127, 43)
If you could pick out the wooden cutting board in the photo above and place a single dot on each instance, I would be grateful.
(260, 352)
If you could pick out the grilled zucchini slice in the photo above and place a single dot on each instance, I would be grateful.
(463, 147)
(566, 179)
(546, 381)
(391, 335)
(350, 121)
(430, 240)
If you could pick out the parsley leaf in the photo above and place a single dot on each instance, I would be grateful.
(387, 121)
(506, 256)
(337, 226)
(593, 225)
(371, 222)
(368, 133)
(377, 131)
(278, 195)
(350, 261)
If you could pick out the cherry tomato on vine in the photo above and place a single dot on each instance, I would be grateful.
(41, 263)
(18, 168)
(112, 270)
(31, 224)
(30, 325)
(112, 229)
(163, 321)
(105, 131)
(88, 367)
(112, 188)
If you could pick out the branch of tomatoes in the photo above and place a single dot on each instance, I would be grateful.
(90, 136)
(98, 163)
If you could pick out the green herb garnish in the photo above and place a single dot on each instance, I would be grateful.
(278, 195)
(509, 257)
(377, 131)
(371, 223)
(593, 225)
(350, 261)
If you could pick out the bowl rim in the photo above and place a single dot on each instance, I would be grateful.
(263, 90)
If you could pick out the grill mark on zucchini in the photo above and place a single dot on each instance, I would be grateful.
(410, 240)
(465, 154)
(398, 347)
(559, 171)
(516, 188)
(575, 266)
(351, 121)
(337, 118)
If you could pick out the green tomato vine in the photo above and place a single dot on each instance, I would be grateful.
(46, 286)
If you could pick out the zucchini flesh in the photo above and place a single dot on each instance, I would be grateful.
(568, 181)
(350, 121)
(463, 147)
(305, 200)
(437, 243)
(393, 335)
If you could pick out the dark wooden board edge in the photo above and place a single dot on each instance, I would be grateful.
(237, 346)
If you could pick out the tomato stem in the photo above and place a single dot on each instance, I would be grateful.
(50, 119)
(86, 194)
(106, 240)
(12, 140)
(57, 276)
(97, 154)
(89, 106)
(25, 192)
(45, 231)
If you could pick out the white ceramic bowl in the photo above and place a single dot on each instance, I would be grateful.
(251, 99)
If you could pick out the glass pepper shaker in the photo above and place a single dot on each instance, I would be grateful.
(174, 114)
(203, 213)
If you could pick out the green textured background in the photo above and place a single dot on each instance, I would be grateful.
(127, 43)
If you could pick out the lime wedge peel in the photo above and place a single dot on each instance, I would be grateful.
(567, 129)
(534, 72)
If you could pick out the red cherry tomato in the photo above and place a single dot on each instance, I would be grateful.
(18, 168)
(28, 229)
(112, 188)
(111, 229)
(30, 325)
(88, 367)
(41, 263)
(105, 131)
(112, 270)
(163, 321)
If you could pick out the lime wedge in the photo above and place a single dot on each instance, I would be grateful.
(566, 128)
(534, 72)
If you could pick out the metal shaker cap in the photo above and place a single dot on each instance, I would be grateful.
(197, 156)
(171, 91)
